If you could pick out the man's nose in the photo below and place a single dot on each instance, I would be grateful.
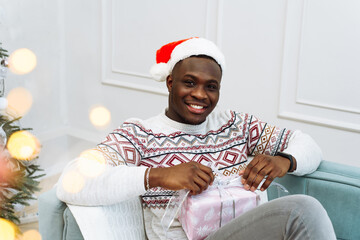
(199, 93)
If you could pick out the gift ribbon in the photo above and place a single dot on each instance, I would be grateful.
(174, 205)
(220, 182)
(172, 209)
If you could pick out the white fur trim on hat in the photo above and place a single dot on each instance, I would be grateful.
(160, 71)
(191, 47)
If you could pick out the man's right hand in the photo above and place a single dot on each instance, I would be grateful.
(192, 176)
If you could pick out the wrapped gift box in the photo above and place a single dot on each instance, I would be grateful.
(203, 214)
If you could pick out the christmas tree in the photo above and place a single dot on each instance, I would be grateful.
(3, 53)
(19, 175)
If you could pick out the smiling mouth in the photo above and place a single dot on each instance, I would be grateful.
(196, 106)
(197, 109)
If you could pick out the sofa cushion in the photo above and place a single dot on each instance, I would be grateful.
(71, 228)
(51, 211)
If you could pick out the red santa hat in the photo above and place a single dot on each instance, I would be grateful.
(168, 55)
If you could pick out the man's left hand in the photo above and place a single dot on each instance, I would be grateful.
(263, 165)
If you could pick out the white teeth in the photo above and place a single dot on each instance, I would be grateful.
(196, 106)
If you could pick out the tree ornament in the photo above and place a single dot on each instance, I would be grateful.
(3, 137)
(3, 69)
(3, 103)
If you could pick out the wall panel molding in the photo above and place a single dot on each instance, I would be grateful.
(327, 106)
(124, 46)
(318, 81)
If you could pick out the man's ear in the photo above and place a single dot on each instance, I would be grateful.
(169, 82)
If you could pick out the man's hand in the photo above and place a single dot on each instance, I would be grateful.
(192, 175)
(261, 166)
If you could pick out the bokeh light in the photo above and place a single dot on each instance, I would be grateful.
(22, 61)
(91, 163)
(7, 230)
(31, 235)
(73, 182)
(100, 116)
(23, 145)
(19, 101)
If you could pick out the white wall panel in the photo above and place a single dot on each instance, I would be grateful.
(133, 30)
(252, 41)
(320, 78)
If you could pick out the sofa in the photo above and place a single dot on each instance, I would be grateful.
(336, 186)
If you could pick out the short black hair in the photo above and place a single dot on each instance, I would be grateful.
(207, 57)
(201, 56)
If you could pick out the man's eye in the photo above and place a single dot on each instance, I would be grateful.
(213, 87)
(189, 83)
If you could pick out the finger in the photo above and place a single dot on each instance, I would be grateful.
(260, 176)
(194, 189)
(205, 176)
(201, 184)
(208, 171)
(268, 181)
(254, 173)
(249, 167)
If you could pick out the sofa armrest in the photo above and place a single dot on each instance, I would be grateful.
(337, 187)
(56, 222)
(51, 210)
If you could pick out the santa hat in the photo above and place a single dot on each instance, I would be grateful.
(168, 55)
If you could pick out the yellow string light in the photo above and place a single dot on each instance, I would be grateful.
(22, 61)
(19, 101)
(100, 116)
(7, 230)
(91, 163)
(23, 145)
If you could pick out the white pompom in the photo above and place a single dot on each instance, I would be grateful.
(159, 71)
(3, 103)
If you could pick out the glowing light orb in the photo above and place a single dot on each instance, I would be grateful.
(31, 235)
(100, 116)
(22, 61)
(7, 230)
(73, 182)
(91, 163)
(23, 145)
(19, 100)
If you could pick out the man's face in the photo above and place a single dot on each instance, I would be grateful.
(194, 88)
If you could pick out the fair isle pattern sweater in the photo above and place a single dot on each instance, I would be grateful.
(227, 147)
(225, 139)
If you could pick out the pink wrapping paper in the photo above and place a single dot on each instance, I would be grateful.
(203, 214)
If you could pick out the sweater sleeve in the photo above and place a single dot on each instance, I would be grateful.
(307, 153)
(266, 139)
(122, 177)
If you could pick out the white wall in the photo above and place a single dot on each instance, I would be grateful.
(36, 25)
(99, 48)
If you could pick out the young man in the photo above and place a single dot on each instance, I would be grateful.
(173, 150)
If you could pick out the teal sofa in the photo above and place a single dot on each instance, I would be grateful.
(335, 185)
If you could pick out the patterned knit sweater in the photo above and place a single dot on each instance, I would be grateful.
(225, 139)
